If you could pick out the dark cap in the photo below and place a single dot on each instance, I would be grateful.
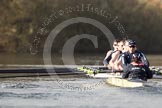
(131, 43)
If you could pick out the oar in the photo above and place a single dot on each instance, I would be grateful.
(91, 70)
(58, 71)
(36, 70)
(39, 74)
(155, 70)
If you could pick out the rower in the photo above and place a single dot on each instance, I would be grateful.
(137, 69)
(127, 56)
(118, 63)
(109, 54)
(116, 55)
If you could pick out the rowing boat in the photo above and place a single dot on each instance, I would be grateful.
(45, 70)
(104, 75)
(8, 71)
(125, 83)
(108, 75)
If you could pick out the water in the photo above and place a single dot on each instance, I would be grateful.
(74, 91)
(47, 92)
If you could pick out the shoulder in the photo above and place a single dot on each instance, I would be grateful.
(124, 54)
(110, 51)
(116, 53)
(140, 52)
(113, 52)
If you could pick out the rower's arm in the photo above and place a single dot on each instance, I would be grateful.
(144, 60)
(149, 72)
(114, 58)
(118, 64)
(123, 60)
(106, 59)
(126, 71)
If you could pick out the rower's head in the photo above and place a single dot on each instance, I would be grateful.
(115, 44)
(136, 57)
(125, 46)
(131, 46)
(121, 45)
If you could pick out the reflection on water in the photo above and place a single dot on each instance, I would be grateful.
(23, 92)
(80, 59)
(155, 60)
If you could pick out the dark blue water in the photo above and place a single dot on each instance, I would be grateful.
(76, 93)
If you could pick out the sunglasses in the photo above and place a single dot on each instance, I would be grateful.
(132, 46)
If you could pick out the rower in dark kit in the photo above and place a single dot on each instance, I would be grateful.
(137, 69)
(126, 57)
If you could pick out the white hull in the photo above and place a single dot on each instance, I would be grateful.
(104, 75)
(124, 82)
(108, 75)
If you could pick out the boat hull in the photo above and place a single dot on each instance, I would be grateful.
(109, 75)
(124, 82)
(105, 75)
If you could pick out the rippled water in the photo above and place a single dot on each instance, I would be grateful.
(76, 93)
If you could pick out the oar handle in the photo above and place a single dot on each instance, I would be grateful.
(95, 70)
